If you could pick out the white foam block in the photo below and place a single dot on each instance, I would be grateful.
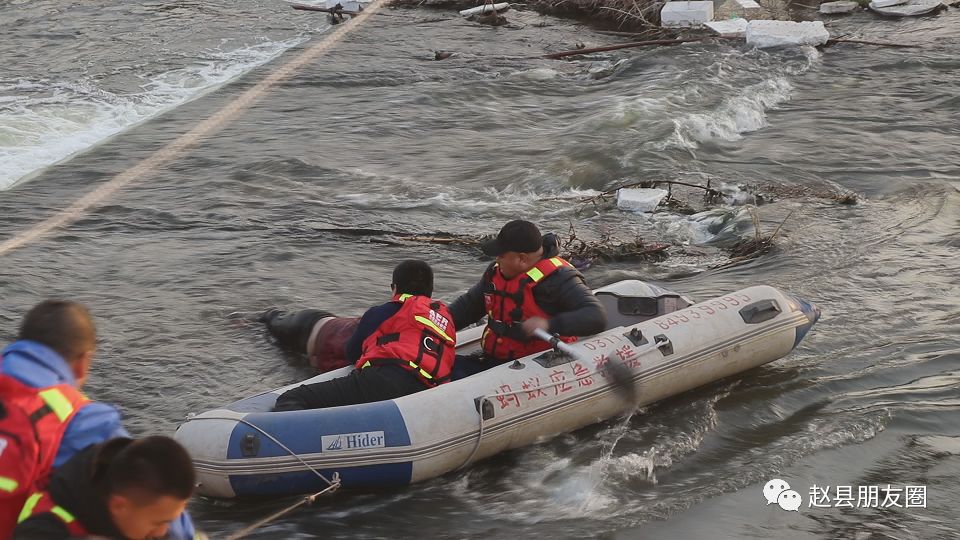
(763, 34)
(639, 199)
(833, 8)
(680, 13)
(729, 28)
(486, 8)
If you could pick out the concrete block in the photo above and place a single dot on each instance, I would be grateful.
(835, 8)
(729, 28)
(681, 13)
(748, 4)
(639, 199)
(763, 34)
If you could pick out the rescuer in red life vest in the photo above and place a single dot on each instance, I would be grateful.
(120, 489)
(528, 287)
(401, 347)
(44, 418)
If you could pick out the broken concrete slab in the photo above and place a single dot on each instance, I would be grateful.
(764, 34)
(684, 14)
(838, 8)
(729, 28)
(910, 9)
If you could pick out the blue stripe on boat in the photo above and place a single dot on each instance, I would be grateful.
(392, 474)
(302, 431)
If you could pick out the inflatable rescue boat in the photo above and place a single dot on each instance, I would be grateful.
(667, 344)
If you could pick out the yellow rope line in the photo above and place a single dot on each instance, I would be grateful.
(166, 154)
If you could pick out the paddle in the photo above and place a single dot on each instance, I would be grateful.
(620, 374)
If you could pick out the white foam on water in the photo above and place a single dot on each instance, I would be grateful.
(736, 115)
(696, 229)
(45, 122)
(392, 192)
(537, 74)
(745, 107)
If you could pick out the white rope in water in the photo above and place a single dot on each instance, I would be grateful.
(306, 500)
(333, 484)
(205, 128)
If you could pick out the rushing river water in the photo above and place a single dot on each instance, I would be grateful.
(376, 134)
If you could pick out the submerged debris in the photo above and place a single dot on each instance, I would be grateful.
(582, 254)
(752, 248)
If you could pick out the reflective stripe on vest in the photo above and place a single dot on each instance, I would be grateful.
(427, 322)
(57, 402)
(8, 484)
(414, 365)
(28, 507)
(31, 504)
(535, 273)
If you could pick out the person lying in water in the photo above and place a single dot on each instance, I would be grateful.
(401, 347)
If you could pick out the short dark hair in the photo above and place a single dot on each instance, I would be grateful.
(519, 236)
(62, 325)
(145, 469)
(413, 277)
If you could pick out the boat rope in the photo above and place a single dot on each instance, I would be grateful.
(332, 485)
(184, 142)
(476, 446)
(308, 500)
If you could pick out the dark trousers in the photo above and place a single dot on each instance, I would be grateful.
(374, 383)
(466, 365)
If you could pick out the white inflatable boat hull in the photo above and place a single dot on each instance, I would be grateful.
(430, 433)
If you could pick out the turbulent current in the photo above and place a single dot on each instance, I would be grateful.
(376, 134)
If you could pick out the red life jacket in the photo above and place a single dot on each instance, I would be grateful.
(42, 503)
(420, 338)
(30, 431)
(509, 302)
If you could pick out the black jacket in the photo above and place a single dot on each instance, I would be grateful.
(563, 295)
(72, 487)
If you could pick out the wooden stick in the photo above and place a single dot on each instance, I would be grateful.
(877, 43)
(303, 7)
(564, 54)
